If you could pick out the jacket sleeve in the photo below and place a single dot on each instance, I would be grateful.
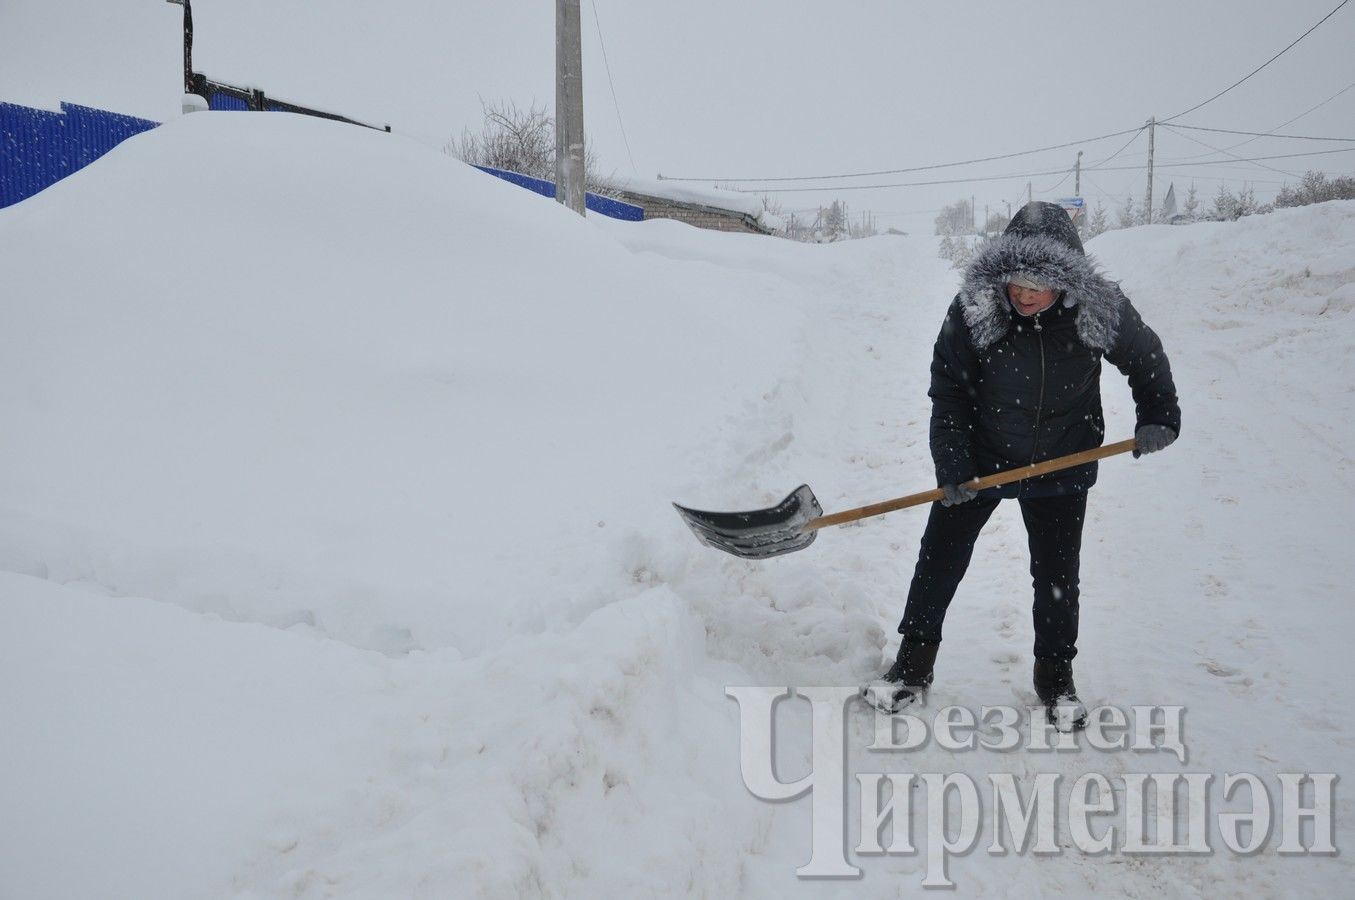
(955, 375)
(1139, 355)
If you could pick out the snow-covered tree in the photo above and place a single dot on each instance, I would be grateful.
(1128, 215)
(1226, 205)
(1314, 187)
(833, 221)
(1096, 223)
(958, 218)
(947, 248)
(1192, 205)
(1229, 206)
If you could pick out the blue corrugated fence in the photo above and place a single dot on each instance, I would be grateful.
(596, 202)
(39, 147)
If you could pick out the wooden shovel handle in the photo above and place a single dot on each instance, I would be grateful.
(978, 484)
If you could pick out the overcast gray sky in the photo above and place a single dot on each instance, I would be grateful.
(716, 89)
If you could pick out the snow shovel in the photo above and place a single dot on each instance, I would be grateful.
(794, 522)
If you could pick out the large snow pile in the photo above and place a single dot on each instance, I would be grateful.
(338, 560)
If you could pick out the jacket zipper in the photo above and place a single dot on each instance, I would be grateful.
(1039, 404)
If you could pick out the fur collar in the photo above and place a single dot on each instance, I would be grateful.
(983, 296)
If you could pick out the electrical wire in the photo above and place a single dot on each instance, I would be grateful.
(1227, 153)
(1272, 131)
(901, 171)
(1296, 137)
(964, 162)
(866, 187)
(1066, 176)
(1018, 175)
(1099, 190)
(1199, 177)
(1313, 108)
(616, 105)
(1167, 165)
(1122, 149)
(1258, 68)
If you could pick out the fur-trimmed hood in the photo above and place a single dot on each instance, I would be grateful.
(1047, 259)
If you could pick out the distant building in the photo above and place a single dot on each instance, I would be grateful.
(712, 208)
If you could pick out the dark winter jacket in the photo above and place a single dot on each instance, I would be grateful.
(1008, 390)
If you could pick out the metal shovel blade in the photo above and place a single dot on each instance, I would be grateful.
(761, 533)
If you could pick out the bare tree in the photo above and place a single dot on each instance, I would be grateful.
(831, 223)
(518, 140)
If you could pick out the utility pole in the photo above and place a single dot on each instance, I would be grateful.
(1077, 179)
(973, 214)
(1029, 194)
(569, 167)
(187, 43)
(1148, 204)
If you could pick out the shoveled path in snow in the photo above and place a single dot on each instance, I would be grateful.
(1215, 575)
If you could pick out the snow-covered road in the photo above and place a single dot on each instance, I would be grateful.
(349, 572)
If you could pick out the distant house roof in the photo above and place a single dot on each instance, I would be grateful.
(709, 207)
(685, 192)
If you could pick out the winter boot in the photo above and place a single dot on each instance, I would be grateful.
(1054, 685)
(907, 681)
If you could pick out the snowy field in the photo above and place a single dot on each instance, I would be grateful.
(337, 559)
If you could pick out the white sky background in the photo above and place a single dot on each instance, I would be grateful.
(761, 88)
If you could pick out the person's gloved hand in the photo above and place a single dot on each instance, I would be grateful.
(957, 493)
(1152, 438)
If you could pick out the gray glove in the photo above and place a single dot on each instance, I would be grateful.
(957, 493)
(1152, 438)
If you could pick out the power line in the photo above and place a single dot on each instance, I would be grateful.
(1296, 137)
(1100, 190)
(1227, 153)
(1198, 177)
(1122, 149)
(1236, 159)
(864, 187)
(1017, 175)
(901, 171)
(1272, 131)
(1312, 108)
(1258, 68)
(617, 106)
(965, 162)
(1066, 176)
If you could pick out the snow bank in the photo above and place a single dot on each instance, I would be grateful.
(321, 365)
(403, 439)
(336, 557)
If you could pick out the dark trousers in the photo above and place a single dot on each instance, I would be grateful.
(1054, 528)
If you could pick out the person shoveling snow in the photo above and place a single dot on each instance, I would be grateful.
(1016, 413)
(1016, 380)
